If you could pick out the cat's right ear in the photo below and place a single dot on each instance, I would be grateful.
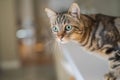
(51, 14)
(74, 10)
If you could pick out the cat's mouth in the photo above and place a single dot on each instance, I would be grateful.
(62, 41)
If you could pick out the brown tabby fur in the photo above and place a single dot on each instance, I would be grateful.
(97, 33)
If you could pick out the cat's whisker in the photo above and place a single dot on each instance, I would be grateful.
(49, 42)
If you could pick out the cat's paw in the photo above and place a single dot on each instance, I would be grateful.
(109, 76)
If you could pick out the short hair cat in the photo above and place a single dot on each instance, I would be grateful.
(96, 32)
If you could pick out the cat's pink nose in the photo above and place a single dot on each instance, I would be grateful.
(60, 37)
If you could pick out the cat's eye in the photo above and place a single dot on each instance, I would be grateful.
(68, 27)
(55, 29)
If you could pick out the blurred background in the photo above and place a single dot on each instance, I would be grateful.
(26, 43)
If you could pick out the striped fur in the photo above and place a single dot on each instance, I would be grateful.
(97, 33)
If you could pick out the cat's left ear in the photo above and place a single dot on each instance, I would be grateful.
(51, 14)
(74, 10)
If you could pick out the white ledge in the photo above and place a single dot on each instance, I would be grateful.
(83, 66)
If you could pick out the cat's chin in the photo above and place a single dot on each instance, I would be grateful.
(62, 42)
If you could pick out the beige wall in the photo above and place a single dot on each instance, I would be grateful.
(109, 7)
(8, 42)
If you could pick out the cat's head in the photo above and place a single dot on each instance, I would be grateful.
(66, 26)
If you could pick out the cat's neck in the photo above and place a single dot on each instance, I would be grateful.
(88, 22)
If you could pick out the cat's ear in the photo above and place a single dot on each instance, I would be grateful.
(74, 10)
(51, 14)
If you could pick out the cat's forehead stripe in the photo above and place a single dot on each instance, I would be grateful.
(61, 18)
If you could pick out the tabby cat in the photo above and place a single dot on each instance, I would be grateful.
(96, 32)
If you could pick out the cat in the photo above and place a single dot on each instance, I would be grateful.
(96, 32)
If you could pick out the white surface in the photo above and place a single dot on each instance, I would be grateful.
(89, 66)
(70, 67)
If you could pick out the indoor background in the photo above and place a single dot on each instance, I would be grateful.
(26, 43)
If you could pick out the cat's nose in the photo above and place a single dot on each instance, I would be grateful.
(60, 37)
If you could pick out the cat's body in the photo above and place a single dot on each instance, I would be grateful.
(97, 33)
(101, 34)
